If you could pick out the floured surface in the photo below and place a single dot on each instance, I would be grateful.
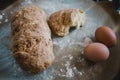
(70, 64)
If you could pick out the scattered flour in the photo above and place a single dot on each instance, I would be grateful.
(80, 73)
(6, 20)
(1, 17)
(3, 14)
(70, 57)
(68, 70)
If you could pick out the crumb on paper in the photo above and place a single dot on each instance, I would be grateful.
(80, 73)
(61, 70)
(6, 20)
(70, 57)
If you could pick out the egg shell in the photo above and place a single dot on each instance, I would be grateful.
(96, 52)
(106, 36)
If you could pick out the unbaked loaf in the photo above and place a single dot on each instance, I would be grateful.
(31, 39)
(61, 21)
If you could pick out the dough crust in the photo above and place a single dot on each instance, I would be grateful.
(31, 39)
(61, 21)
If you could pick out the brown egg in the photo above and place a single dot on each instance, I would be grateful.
(106, 36)
(96, 52)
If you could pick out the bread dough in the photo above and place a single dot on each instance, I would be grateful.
(61, 21)
(31, 39)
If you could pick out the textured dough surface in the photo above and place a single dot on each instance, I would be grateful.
(61, 21)
(31, 39)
